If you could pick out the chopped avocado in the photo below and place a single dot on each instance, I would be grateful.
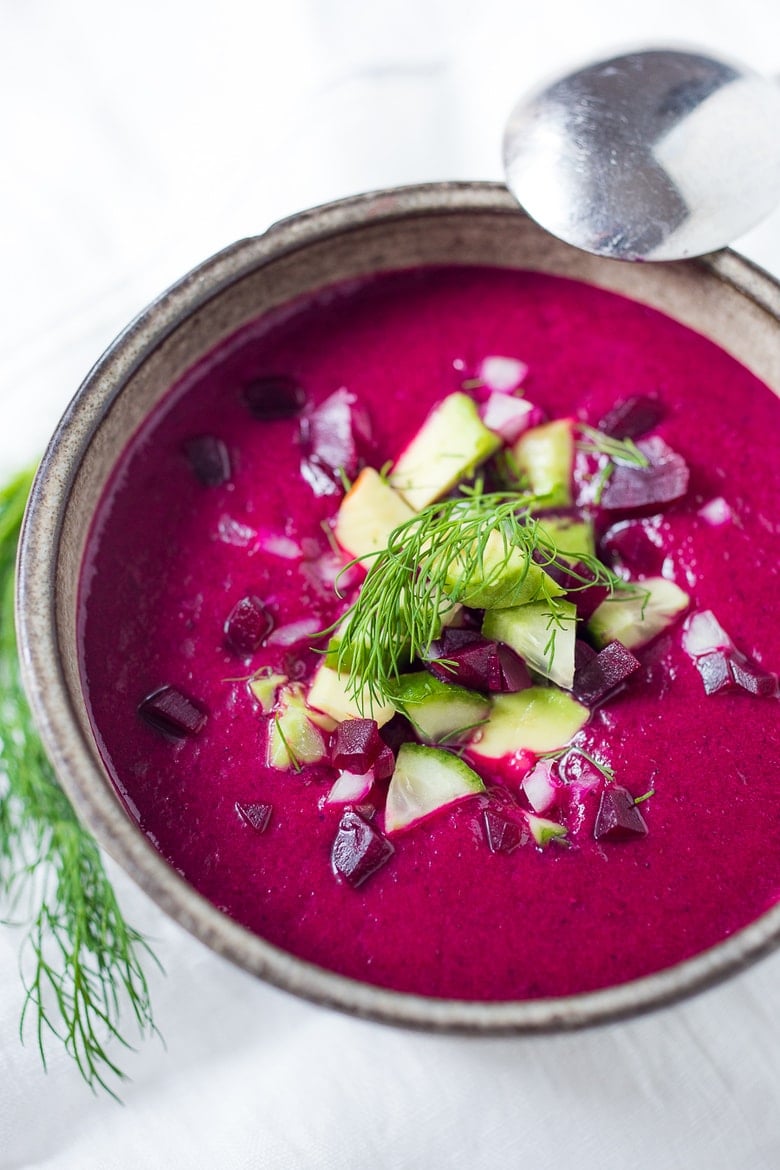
(500, 577)
(438, 710)
(293, 739)
(637, 616)
(529, 630)
(545, 455)
(450, 444)
(329, 692)
(426, 779)
(544, 831)
(369, 512)
(573, 538)
(264, 688)
(539, 719)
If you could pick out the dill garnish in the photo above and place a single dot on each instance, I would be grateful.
(81, 962)
(462, 550)
(619, 450)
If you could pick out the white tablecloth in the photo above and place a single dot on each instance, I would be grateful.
(136, 139)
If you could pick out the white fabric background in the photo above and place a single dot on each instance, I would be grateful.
(136, 139)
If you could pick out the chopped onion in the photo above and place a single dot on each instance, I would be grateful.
(276, 544)
(716, 512)
(703, 633)
(294, 632)
(501, 374)
(540, 788)
(231, 531)
(507, 416)
(350, 787)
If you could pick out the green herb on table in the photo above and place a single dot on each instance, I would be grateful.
(81, 962)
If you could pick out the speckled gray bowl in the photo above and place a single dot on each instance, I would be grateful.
(721, 296)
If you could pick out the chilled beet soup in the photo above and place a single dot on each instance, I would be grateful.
(541, 815)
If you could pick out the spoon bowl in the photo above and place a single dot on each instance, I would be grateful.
(654, 155)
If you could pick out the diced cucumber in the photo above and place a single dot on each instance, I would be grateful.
(529, 630)
(501, 577)
(545, 455)
(635, 618)
(544, 831)
(573, 538)
(450, 444)
(329, 692)
(539, 719)
(438, 710)
(293, 739)
(264, 688)
(368, 514)
(426, 779)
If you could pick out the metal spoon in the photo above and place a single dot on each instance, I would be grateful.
(655, 155)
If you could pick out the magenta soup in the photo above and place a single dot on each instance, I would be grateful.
(213, 562)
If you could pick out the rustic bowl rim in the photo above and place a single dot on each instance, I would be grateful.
(73, 757)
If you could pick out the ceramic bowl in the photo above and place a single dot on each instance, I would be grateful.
(720, 296)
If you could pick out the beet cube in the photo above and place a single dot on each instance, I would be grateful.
(355, 746)
(247, 626)
(618, 818)
(631, 542)
(173, 713)
(277, 396)
(358, 850)
(752, 678)
(256, 814)
(604, 673)
(580, 583)
(502, 834)
(664, 480)
(583, 654)
(384, 764)
(715, 672)
(209, 459)
(632, 417)
(514, 672)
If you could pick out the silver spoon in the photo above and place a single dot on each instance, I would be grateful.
(655, 155)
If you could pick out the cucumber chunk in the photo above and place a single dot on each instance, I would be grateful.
(636, 618)
(528, 629)
(293, 739)
(438, 710)
(450, 444)
(501, 578)
(368, 514)
(545, 455)
(329, 692)
(540, 719)
(573, 538)
(426, 779)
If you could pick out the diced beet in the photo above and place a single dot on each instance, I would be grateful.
(355, 745)
(384, 764)
(664, 480)
(248, 625)
(358, 850)
(632, 417)
(396, 732)
(752, 678)
(277, 396)
(514, 672)
(604, 673)
(173, 713)
(632, 543)
(575, 580)
(502, 834)
(618, 818)
(255, 814)
(454, 638)
(583, 654)
(209, 459)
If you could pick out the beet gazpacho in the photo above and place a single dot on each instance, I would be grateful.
(426, 629)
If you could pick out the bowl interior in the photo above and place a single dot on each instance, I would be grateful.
(722, 297)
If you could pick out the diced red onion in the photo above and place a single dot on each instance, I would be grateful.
(233, 532)
(540, 787)
(716, 512)
(703, 633)
(507, 416)
(293, 632)
(350, 788)
(501, 375)
(276, 544)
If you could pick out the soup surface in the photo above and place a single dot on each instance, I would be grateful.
(174, 549)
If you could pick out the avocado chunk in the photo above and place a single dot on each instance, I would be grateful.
(637, 616)
(426, 779)
(438, 710)
(452, 441)
(539, 719)
(542, 633)
(545, 455)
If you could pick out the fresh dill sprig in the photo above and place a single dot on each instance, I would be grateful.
(81, 963)
(445, 555)
(595, 442)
